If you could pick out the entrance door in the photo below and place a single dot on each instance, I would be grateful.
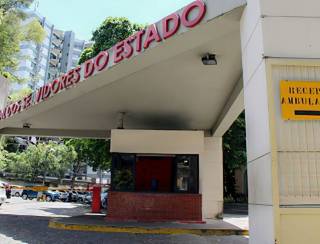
(154, 174)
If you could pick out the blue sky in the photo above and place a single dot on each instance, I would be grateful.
(83, 16)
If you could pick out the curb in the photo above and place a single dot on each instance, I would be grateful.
(142, 230)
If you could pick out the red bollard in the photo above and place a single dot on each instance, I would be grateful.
(96, 199)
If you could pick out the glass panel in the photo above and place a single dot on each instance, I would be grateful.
(123, 172)
(187, 174)
(183, 174)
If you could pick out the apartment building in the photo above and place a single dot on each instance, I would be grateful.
(58, 53)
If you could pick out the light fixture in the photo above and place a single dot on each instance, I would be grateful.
(209, 59)
(26, 126)
(121, 120)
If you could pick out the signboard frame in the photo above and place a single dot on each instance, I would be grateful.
(300, 100)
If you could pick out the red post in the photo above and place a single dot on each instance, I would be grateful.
(96, 199)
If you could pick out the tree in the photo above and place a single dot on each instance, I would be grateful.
(234, 153)
(36, 159)
(110, 32)
(14, 163)
(100, 157)
(86, 55)
(13, 144)
(81, 146)
(3, 155)
(41, 159)
(65, 157)
(18, 95)
(7, 5)
(13, 32)
(95, 153)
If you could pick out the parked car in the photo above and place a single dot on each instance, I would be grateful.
(81, 196)
(74, 196)
(16, 191)
(63, 195)
(29, 194)
(104, 199)
(51, 196)
(88, 198)
(2, 195)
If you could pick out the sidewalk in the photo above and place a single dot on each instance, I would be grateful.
(97, 223)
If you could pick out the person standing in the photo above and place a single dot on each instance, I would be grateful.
(8, 191)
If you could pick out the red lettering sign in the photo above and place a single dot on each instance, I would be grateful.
(191, 16)
(185, 18)
(46, 92)
(68, 80)
(138, 36)
(27, 101)
(88, 68)
(77, 75)
(101, 61)
(118, 52)
(55, 86)
(152, 35)
(15, 108)
(166, 29)
(8, 112)
(39, 94)
(64, 80)
(128, 49)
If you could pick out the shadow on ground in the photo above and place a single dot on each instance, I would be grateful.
(68, 212)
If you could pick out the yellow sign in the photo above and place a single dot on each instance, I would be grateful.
(300, 100)
(37, 188)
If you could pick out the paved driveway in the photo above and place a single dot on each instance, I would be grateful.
(27, 222)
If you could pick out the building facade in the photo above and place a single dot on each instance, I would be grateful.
(58, 53)
(264, 57)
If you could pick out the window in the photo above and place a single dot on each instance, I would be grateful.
(143, 173)
(186, 178)
(123, 172)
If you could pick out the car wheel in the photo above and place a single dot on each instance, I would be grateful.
(49, 198)
(17, 194)
(24, 196)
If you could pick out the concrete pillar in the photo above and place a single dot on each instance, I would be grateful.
(280, 40)
(211, 177)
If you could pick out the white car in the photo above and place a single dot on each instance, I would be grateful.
(15, 192)
(104, 199)
(63, 195)
(2, 196)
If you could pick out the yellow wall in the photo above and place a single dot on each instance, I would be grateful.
(300, 226)
(296, 159)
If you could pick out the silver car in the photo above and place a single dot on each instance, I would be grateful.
(63, 195)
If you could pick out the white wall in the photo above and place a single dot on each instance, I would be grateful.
(273, 29)
(211, 177)
(157, 141)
